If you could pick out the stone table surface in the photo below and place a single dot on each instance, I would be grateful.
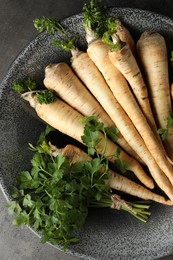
(16, 30)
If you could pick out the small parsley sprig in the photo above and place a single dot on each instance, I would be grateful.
(44, 96)
(94, 17)
(165, 132)
(27, 85)
(110, 36)
(91, 139)
(48, 24)
(51, 25)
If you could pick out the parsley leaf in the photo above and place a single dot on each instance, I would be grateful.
(165, 132)
(28, 84)
(94, 16)
(51, 25)
(46, 96)
(67, 44)
(13, 207)
(48, 24)
(43, 96)
(119, 163)
(112, 133)
(91, 139)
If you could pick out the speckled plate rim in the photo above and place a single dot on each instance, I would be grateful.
(22, 54)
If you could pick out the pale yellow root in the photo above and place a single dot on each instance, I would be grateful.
(60, 78)
(152, 53)
(98, 51)
(121, 183)
(73, 152)
(116, 181)
(68, 121)
(87, 71)
(125, 62)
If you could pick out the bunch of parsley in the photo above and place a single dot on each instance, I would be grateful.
(53, 197)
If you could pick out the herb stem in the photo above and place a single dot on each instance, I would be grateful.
(45, 171)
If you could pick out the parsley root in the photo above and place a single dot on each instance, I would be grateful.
(152, 52)
(125, 62)
(60, 78)
(88, 72)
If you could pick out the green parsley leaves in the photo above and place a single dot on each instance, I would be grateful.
(51, 26)
(164, 132)
(54, 195)
(44, 96)
(27, 85)
(48, 24)
(94, 16)
(91, 139)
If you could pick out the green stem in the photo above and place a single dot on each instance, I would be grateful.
(105, 143)
(94, 17)
(138, 210)
(50, 196)
(141, 206)
(43, 170)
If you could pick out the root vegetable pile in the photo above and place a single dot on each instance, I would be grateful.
(115, 99)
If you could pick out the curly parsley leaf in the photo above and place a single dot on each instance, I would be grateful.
(67, 44)
(48, 24)
(110, 36)
(51, 25)
(121, 165)
(27, 85)
(165, 132)
(44, 96)
(94, 16)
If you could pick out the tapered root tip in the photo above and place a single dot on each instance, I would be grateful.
(168, 202)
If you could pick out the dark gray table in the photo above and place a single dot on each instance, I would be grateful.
(16, 30)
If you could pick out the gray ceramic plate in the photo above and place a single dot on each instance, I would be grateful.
(107, 234)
